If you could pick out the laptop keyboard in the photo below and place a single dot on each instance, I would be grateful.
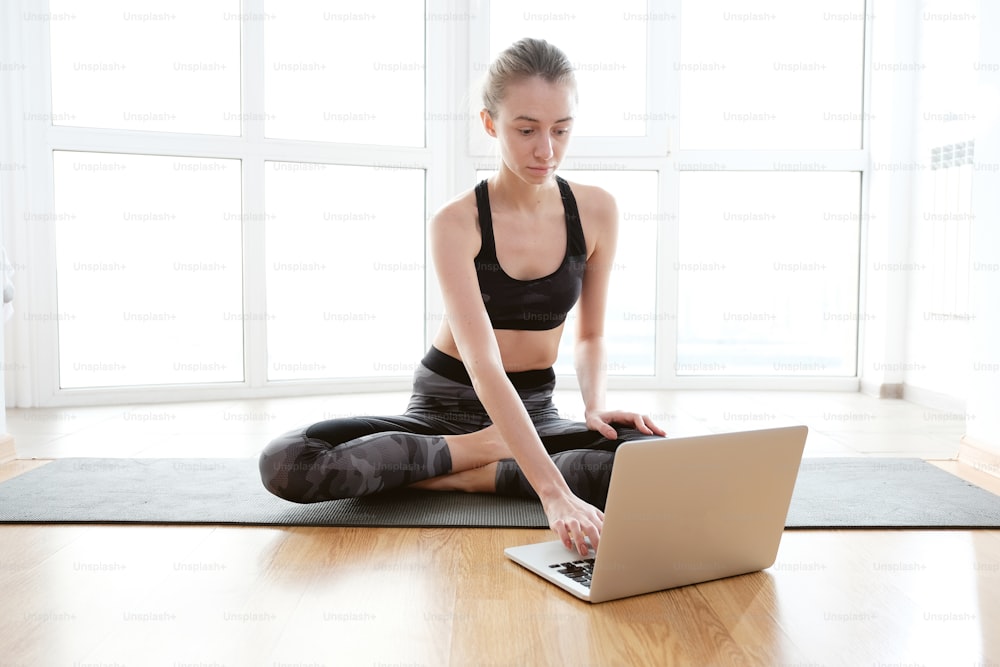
(579, 571)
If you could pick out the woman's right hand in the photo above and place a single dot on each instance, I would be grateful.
(574, 521)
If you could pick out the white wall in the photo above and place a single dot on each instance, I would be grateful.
(952, 364)
(11, 169)
(3, 364)
(937, 325)
(983, 403)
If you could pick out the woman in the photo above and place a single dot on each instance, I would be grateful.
(513, 255)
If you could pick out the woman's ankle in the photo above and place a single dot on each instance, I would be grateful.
(473, 480)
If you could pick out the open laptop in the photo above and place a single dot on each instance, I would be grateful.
(682, 511)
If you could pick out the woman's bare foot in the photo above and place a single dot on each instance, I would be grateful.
(474, 480)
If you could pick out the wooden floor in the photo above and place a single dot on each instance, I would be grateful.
(78, 595)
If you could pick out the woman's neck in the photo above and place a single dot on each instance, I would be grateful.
(514, 194)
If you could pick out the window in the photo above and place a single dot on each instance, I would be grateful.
(320, 56)
(769, 190)
(155, 67)
(752, 212)
(231, 197)
(349, 302)
(772, 75)
(149, 269)
(251, 205)
(768, 273)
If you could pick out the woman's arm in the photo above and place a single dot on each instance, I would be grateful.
(589, 354)
(454, 245)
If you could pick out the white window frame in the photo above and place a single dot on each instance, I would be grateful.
(451, 157)
(660, 152)
(32, 143)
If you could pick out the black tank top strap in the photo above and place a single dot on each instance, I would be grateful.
(576, 244)
(488, 249)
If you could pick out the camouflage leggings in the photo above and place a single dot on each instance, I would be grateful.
(357, 456)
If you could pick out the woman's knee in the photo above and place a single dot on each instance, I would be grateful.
(281, 465)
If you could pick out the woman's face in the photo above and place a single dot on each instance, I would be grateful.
(532, 127)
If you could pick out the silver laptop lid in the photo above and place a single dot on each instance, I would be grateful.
(686, 510)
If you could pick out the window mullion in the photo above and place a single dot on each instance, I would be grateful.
(254, 215)
(445, 43)
(664, 49)
(40, 306)
(777, 160)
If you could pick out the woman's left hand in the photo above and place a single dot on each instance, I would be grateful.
(601, 421)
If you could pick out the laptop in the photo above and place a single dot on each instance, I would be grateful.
(681, 511)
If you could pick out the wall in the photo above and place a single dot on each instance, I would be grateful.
(5, 449)
(935, 81)
(983, 402)
(11, 170)
(939, 230)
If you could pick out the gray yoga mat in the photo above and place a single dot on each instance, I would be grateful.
(829, 493)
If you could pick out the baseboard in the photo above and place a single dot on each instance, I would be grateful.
(7, 451)
(978, 456)
(881, 390)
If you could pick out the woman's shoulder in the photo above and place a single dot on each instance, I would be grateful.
(594, 202)
(454, 227)
(460, 211)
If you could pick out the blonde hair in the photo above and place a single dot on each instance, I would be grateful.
(524, 59)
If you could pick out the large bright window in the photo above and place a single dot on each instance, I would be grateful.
(151, 66)
(768, 273)
(773, 74)
(149, 269)
(739, 249)
(350, 71)
(345, 293)
(261, 242)
(769, 228)
(231, 197)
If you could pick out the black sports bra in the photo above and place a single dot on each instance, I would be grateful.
(541, 303)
